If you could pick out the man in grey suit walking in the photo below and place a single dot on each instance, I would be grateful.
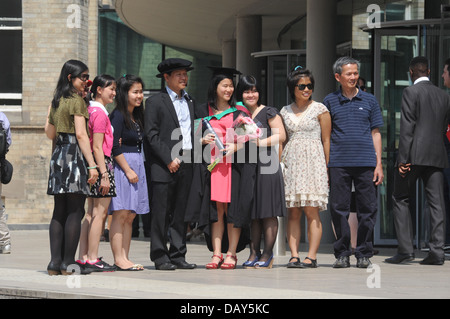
(421, 154)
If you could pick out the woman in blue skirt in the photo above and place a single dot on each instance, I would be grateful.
(131, 198)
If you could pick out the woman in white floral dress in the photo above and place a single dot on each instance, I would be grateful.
(305, 157)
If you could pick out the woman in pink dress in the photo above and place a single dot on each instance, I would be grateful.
(214, 199)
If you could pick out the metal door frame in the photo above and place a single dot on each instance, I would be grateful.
(378, 34)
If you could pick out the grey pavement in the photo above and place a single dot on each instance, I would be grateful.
(23, 275)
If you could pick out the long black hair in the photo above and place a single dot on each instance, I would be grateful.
(102, 81)
(64, 87)
(212, 91)
(124, 84)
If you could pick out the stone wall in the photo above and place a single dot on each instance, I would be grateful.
(26, 198)
(54, 31)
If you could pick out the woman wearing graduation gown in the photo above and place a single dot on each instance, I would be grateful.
(221, 200)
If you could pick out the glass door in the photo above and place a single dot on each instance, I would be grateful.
(393, 51)
(278, 67)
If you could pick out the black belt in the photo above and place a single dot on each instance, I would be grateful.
(185, 153)
(186, 156)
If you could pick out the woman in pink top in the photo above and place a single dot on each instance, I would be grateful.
(101, 137)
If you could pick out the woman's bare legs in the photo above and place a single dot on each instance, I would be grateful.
(120, 237)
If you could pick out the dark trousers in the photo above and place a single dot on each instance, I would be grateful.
(433, 180)
(447, 194)
(366, 208)
(167, 209)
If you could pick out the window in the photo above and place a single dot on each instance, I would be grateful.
(10, 54)
(122, 50)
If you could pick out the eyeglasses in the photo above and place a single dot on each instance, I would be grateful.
(84, 77)
(301, 87)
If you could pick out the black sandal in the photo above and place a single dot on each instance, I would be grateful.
(294, 264)
(313, 263)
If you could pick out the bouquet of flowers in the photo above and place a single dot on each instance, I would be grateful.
(243, 130)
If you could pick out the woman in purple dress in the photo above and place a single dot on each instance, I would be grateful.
(127, 120)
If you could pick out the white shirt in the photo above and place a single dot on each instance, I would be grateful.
(423, 78)
(184, 116)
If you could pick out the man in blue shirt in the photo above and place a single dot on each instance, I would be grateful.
(355, 156)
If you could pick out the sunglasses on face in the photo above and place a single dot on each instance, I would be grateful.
(84, 77)
(301, 87)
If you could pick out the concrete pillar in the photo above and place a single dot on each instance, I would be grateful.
(229, 53)
(320, 57)
(321, 44)
(248, 40)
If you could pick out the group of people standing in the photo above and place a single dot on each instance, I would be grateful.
(98, 156)
(309, 155)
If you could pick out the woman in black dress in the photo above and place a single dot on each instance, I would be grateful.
(269, 187)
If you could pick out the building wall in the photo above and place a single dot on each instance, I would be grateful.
(54, 31)
(26, 198)
(50, 37)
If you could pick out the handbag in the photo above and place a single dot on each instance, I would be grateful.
(6, 171)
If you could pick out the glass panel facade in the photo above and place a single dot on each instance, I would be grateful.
(277, 70)
(122, 51)
(384, 54)
(393, 50)
(396, 52)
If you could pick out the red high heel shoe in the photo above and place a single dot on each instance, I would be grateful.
(213, 265)
(229, 265)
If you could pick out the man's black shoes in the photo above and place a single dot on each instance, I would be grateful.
(432, 260)
(175, 265)
(400, 258)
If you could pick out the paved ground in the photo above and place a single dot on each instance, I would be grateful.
(23, 275)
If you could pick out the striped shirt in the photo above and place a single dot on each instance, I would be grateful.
(352, 124)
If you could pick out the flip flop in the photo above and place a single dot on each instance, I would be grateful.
(136, 267)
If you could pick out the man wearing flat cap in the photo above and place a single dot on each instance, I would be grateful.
(169, 118)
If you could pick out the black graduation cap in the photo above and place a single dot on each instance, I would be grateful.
(228, 72)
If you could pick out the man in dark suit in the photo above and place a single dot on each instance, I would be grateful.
(446, 78)
(169, 118)
(424, 117)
